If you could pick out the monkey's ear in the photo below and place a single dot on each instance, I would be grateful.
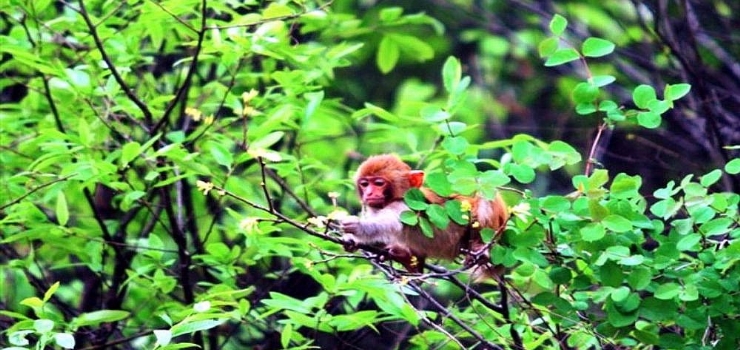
(416, 178)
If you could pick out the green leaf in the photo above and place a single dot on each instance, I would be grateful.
(268, 140)
(597, 47)
(413, 47)
(602, 80)
(65, 340)
(716, 226)
(632, 260)
(560, 275)
(490, 181)
(276, 10)
(426, 227)
(438, 183)
(130, 151)
(434, 114)
(611, 274)
(221, 155)
(733, 167)
(43, 326)
(592, 232)
(32, 302)
(62, 211)
(667, 291)
(585, 108)
(643, 95)
(415, 199)
(620, 294)
(388, 54)
(409, 218)
(191, 327)
(381, 113)
(562, 56)
(665, 208)
(625, 186)
(285, 335)
(521, 173)
(451, 74)
(597, 211)
(639, 278)
(548, 46)
(617, 223)
(454, 211)
(649, 120)
(456, 145)
(607, 105)
(390, 14)
(438, 216)
(97, 317)
(555, 203)
(711, 178)
(585, 93)
(674, 92)
(689, 293)
(558, 24)
(487, 234)
(51, 291)
(658, 106)
(84, 133)
(449, 128)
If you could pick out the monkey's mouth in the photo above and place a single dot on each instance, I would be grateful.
(375, 203)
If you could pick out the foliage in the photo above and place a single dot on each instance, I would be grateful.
(169, 170)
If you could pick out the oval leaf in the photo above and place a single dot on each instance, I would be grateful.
(97, 317)
(674, 92)
(388, 54)
(617, 223)
(62, 211)
(643, 95)
(558, 24)
(597, 47)
(451, 74)
(562, 56)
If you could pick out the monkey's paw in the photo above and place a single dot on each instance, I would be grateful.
(349, 243)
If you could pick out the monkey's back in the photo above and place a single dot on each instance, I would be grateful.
(444, 245)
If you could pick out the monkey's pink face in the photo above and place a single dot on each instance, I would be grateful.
(374, 191)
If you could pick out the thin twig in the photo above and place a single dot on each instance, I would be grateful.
(117, 76)
(591, 154)
(37, 188)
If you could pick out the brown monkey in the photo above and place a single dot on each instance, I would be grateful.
(381, 183)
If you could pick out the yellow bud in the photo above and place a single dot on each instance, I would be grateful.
(319, 221)
(203, 186)
(209, 119)
(466, 205)
(248, 224)
(338, 214)
(193, 113)
(248, 96)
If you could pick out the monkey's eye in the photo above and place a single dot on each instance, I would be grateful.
(379, 182)
(363, 183)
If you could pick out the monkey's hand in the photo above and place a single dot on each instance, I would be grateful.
(350, 225)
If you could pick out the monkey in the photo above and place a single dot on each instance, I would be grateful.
(381, 182)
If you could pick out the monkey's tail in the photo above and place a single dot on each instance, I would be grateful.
(491, 214)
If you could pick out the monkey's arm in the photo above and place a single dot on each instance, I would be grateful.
(376, 225)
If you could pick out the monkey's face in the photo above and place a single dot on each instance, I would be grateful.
(375, 191)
